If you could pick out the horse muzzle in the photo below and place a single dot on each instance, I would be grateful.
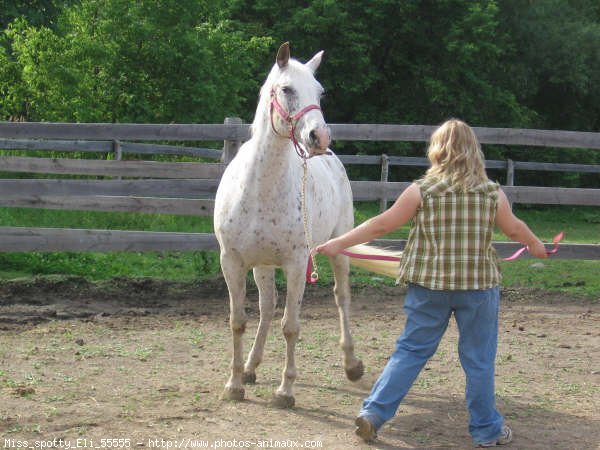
(319, 140)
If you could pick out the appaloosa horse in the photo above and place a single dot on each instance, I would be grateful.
(260, 223)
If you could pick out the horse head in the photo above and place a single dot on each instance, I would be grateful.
(294, 96)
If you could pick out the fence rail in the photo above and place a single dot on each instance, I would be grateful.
(240, 132)
(188, 188)
(141, 169)
(107, 147)
(21, 239)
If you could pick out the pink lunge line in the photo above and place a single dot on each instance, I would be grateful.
(311, 279)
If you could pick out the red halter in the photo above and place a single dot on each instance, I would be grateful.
(292, 121)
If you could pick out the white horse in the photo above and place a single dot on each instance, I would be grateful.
(258, 218)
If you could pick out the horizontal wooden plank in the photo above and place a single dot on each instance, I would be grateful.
(144, 169)
(374, 190)
(107, 147)
(186, 170)
(506, 249)
(356, 132)
(21, 239)
(489, 163)
(505, 136)
(17, 239)
(408, 161)
(124, 131)
(405, 161)
(556, 167)
(552, 195)
(538, 138)
(153, 205)
(186, 188)
(57, 145)
(360, 159)
(161, 149)
(495, 164)
(380, 132)
(179, 188)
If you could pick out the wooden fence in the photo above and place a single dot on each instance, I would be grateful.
(188, 188)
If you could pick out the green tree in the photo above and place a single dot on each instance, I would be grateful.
(36, 12)
(389, 61)
(555, 61)
(554, 65)
(148, 61)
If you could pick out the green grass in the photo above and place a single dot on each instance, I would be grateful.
(580, 224)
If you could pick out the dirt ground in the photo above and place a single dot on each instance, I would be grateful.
(145, 362)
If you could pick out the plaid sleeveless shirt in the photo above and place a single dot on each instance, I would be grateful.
(449, 246)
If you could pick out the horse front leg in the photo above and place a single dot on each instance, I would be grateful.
(267, 299)
(290, 324)
(235, 277)
(341, 268)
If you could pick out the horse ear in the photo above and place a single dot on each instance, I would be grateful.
(283, 55)
(315, 61)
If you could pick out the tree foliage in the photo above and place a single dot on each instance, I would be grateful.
(506, 63)
(122, 61)
(409, 62)
(555, 54)
(36, 12)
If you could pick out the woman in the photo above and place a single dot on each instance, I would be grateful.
(451, 268)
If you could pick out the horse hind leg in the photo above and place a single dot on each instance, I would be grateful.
(235, 277)
(267, 299)
(341, 267)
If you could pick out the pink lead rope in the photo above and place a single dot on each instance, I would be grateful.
(312, 278)
(555, 241)
(371, 257)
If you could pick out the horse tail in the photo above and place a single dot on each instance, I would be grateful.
(375, 259)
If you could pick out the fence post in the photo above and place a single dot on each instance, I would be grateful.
(116, 148)
(510, 176)
(510, 172)
(385, 167)
(230, 147)
(118, 152)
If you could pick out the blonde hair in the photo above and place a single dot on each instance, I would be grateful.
(455, 155)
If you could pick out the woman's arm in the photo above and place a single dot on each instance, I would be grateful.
(403, 209)
(516, 229)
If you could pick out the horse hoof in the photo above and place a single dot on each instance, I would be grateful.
(356, 372)
(283, 401)
(236, 394)
(249, 378)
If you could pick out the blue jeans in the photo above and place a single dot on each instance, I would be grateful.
(427, 315)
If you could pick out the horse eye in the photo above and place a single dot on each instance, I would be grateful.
(286, 90)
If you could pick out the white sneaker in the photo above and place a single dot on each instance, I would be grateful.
(504, 438)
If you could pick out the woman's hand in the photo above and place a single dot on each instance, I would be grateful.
(537, 249)
(403, 209)
(330, 248)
